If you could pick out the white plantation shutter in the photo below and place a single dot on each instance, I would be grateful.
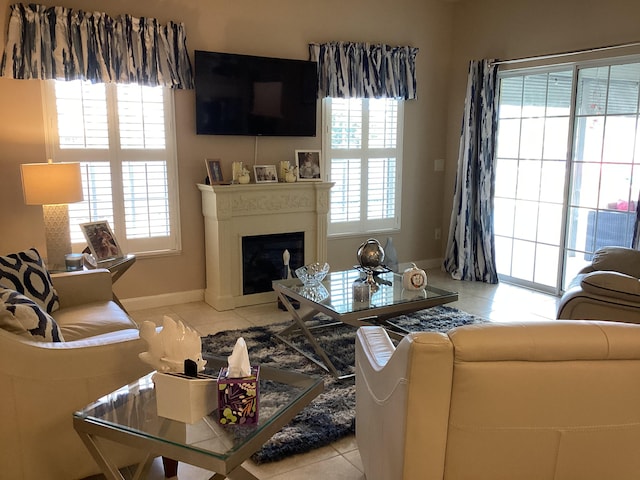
(82, 115)
(141, 117)
(364, 158)
(123, 136)
(98, 198)
(382, 189)
(346, 123)
(383, 123)
(146, 199)
(345, 194)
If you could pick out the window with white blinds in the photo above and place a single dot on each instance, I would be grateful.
(124, 138)
(364, 157)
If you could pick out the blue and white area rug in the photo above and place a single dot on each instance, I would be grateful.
(331, 415)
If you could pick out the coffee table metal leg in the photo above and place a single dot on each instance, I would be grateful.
(143, 468)
(300, 323)
(109, 470)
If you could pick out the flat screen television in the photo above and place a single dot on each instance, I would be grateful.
(249, 95)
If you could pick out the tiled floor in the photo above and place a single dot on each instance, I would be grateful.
(341, 460)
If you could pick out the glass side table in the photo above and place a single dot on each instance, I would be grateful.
(116, 266)
(128, 416)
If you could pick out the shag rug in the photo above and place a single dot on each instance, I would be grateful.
(331, 415)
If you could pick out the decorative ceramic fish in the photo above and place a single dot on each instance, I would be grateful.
(171, 346)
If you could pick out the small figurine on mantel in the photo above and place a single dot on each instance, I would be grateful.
(291, 174)
(244, 176)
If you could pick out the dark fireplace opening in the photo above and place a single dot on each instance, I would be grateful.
(263, 259)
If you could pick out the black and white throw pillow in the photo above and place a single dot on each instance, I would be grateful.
(22, 316)
(26, 273)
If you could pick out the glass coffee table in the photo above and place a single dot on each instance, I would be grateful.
(334, 297)
(128, 416)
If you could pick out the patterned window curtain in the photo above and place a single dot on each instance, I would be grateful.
(64, 44)
(362, 70)
(470, 251)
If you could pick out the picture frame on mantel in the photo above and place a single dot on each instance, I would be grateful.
(214, 171)
(265, 173)
(309, 166)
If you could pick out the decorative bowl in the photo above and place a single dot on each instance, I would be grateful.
(313, 273)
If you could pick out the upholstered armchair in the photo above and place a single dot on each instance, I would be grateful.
(43, 382)
(608, 289)
(528, 401)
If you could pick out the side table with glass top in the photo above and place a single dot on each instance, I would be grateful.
(334, 298)
(128, 416)
(116, 266)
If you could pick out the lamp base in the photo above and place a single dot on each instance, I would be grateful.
(56, 227)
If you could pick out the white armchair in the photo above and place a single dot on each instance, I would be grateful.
(608, 289)
(527, 401)
(42, 384)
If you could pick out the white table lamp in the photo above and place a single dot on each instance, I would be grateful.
(53, 185)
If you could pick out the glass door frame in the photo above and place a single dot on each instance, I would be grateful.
(564, 274)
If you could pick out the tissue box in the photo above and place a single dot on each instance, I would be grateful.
(184, 399)
(238, 398)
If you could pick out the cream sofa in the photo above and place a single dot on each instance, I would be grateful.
(608, 289)
(500, 401)
(42, 384)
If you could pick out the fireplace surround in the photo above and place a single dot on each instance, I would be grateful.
(232, 212)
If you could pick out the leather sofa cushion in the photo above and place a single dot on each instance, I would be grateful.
(592, 341)
(92, 319)
(612, 284)
(617, 259)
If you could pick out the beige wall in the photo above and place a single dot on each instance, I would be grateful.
(508, 29)
(276, 28)
(448, 34)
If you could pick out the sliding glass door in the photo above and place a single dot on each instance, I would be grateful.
(567, 151)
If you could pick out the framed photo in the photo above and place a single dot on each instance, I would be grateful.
(265, 173)
(214, 170)
(309, 167)
(102, 242)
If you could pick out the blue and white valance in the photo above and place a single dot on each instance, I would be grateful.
(362, 70)
(64, 44)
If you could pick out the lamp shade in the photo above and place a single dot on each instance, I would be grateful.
(51, 183)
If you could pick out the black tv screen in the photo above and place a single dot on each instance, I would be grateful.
(249, 95)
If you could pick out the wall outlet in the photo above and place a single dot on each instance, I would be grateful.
(437, 233)
(438, 165)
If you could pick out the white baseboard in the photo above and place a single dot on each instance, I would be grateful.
(154, 301)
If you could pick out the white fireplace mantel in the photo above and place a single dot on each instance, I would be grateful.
(235, 211)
